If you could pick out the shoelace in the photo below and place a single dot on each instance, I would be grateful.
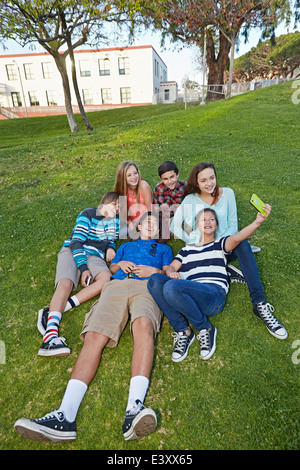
(265, 312)
(203, 337)
(138, 406)
(179, 341)
(57, 340)
(55, 414)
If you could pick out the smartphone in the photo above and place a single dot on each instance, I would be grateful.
(257, 203)
(88, 281)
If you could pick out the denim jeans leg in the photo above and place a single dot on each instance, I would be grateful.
(248, 266)
(155, 286)
(195, 300)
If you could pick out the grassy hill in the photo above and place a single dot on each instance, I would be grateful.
(246, 395)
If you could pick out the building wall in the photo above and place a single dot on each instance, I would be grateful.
(143, 71)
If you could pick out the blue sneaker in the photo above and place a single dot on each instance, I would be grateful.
(53, 427)
(138, 422)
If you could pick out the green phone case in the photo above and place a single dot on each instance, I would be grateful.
(257, 203)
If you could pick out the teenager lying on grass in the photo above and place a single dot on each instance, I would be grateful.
(83, 257)
(125, 294)
(196, 285)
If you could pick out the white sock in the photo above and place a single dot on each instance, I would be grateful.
(71, 303)
(137, 390)
(73, 396)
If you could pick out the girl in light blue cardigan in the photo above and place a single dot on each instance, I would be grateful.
(202, 191)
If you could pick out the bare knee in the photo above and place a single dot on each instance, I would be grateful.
(142, 326)
(65, 284)
(95, 340)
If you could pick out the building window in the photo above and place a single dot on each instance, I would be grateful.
(125, 95)
(11, 71)
(29, 73)
(51, 98)
(85, 69)
(106, 95)
(167, 95)
(123, 66)
(47, 70)
(16, 98)
(104, 67)
(87, 96)
(33, 98)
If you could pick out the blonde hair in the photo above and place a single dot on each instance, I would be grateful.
(121, 180)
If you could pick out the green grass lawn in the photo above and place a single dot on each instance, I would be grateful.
(247, 395)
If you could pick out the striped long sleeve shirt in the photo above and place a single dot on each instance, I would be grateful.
(205, 263)
(93, 234)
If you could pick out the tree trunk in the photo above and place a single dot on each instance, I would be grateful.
(76, 89)
(216, 66)
(60, 61)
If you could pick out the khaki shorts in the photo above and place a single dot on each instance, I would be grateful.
(66, 267)
(109, 315)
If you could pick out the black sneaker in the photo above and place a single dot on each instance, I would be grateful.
(53, 427)
(207, 338)
(235, 274)
(264, 313)
(42, 320)
(182, 342)
(54, 347)
(138, 422)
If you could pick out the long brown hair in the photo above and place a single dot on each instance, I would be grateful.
(121, 181)
(192, 182)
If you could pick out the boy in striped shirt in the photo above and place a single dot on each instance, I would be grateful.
(83, 255)
(196, 285)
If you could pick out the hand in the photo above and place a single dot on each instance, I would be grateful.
(144, 271)
(260, 218)
(110, 254)
(174, 275)
(126, 266)
(84, 277)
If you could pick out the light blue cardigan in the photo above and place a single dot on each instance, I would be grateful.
(225, 209)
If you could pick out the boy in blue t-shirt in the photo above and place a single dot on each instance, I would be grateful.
(125, 295)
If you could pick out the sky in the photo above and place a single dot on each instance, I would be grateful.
(180, 61)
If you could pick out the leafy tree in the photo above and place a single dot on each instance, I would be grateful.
(220, 24)
(285, 56)
(64, 24)
(270, 58)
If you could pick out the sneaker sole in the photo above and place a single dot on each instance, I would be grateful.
(144, 424)
(205, 358)
(39, 322)
(57, 352)
(186, 352)
(35, 432)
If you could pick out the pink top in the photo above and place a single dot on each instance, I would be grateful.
(135, 209)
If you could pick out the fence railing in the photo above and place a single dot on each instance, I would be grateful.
(189, 95)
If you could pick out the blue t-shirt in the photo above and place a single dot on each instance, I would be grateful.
(147, 252)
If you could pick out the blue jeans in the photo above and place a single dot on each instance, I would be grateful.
(185, 302)
(249, 269)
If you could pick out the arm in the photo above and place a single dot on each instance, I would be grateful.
(232, 215)
(147, 194)
(232, 241)
(126, 266)
(176, 226)
(78, 238)
(173, 268)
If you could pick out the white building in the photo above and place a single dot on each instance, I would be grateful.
(106, 78)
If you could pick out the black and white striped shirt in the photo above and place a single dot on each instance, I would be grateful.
(205, 263)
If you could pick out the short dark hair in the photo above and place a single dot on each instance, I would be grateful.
(109, 197)
(167, 166)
